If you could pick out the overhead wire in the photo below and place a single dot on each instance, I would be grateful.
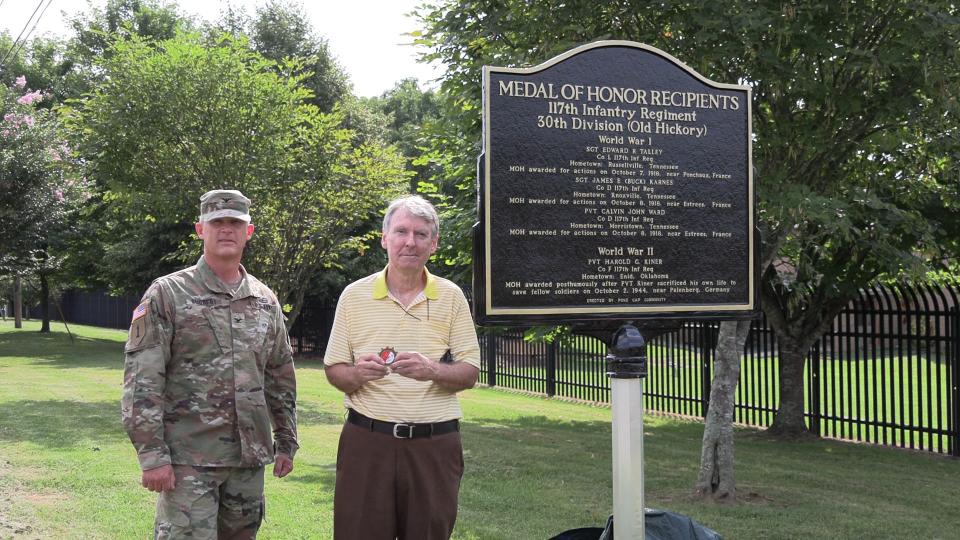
(14, 45)
(37, 22)
(27, 24)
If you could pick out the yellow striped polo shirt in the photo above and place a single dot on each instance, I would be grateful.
(369, 320)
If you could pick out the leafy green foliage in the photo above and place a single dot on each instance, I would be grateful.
(119, 20)
(279, 30)
(39, 194)
(183, 115)
(407, 110)
(282, 30)
(449, 160)
(175, 118)
(47, 64)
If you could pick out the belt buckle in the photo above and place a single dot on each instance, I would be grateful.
(397, 435)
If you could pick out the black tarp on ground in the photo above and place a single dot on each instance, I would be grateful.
(658, 525)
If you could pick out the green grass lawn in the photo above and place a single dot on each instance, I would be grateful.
(535, 467)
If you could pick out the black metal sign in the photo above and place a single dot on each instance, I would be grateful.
(615, 183)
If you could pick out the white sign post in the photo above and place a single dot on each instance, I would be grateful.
(628, 506)
(627, 366)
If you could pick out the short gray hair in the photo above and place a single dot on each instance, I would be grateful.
(417, 206)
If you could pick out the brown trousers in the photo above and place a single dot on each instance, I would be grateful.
(390, 488)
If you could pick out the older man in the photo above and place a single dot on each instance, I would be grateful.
(208, 371)
(402, 345)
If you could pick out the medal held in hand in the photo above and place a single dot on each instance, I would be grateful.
(388, 355)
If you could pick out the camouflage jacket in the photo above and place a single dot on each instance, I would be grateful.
(206, 373)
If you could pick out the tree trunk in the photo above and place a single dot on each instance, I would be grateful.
(716, 478)
(789, 420)
(296, 307)
(17, 302)
(44, 303)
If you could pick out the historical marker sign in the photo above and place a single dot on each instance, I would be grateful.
(615, 182)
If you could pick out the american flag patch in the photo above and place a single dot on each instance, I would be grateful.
(140, 311)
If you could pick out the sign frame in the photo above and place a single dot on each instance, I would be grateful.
(487, 312)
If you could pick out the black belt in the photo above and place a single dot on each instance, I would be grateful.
(403, 431)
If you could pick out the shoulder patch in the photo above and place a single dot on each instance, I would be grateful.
(140, 310)
(139, 328)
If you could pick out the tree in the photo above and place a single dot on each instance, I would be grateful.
(50, 64)
(280, 30)
(716, 478)
(67, 70)
(409, 109)
(119, 20)
(854, 137)
(175, 118)
(446, 168)
(47, 64)
(39, 195)
(329, 191)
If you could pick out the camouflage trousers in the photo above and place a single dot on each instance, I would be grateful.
(211, 503)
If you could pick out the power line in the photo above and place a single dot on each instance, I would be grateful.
(22, 43)
(16, 41)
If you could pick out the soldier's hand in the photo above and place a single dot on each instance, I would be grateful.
(415, 366)
(159, 479)
(369, 367)
(282, 465)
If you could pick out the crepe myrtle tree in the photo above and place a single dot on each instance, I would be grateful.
(40, 195)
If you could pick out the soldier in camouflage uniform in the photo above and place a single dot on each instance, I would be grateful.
(208, 371)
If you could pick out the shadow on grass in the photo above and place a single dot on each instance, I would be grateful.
(59, 423)
(324, 479)
(307, 414)
(62, 423)
(308, 363)
(57, 350)
(531, 427)
(673, 444)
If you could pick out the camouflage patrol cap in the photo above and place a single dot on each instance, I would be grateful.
(221, 203)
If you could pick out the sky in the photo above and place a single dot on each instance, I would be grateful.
(366, 36)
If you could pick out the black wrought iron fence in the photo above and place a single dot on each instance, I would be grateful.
(311, 331)
(885, 373)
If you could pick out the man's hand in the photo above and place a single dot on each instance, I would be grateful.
(370, 368)
(453, 377)
(348, 378)
(415, 366)
(159, 479)
(282, 465)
